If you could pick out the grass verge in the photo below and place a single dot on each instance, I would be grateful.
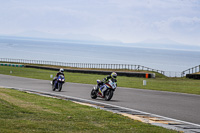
(23, 112)
(181, 85)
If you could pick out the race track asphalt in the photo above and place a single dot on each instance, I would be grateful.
(184, 107)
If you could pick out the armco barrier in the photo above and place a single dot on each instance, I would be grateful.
(128, 74)
(193, 76)
(13, 65)
(84, 65)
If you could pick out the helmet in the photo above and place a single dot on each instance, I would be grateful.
(114, 75)
(61, 70)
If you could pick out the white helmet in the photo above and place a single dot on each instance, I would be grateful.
(61, 70)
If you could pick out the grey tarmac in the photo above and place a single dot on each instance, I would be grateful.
(184, 107)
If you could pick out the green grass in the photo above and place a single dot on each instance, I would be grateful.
(21, 112)
(182, 85)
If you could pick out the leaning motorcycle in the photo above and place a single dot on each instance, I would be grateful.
(58, 83)
(109, 87)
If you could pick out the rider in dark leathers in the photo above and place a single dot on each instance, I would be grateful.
(59, 73)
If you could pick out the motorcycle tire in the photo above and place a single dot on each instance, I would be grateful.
(59, 86)
(53, 87)
(93, 94)
(108, 94)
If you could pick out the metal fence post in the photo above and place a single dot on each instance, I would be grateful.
(199, 68)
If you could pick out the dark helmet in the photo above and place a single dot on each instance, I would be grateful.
(114, 75)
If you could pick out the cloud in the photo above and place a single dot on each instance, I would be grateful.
(125, 20)
(189, 25)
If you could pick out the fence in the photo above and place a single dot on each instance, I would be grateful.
(173, 74)
(191, 70)
(104, 66)
(83, 65)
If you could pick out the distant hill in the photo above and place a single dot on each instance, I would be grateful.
(154, 44)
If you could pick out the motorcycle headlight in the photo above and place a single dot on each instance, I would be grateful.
(59, 79)
(63, 79)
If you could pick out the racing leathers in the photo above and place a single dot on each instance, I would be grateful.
(59, 73)
(100, 85)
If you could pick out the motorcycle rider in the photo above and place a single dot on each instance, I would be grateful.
(100, 86)
(59, 73)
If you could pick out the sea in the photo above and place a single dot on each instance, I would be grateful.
(172, 62)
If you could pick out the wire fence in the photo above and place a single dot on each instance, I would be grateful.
(96, 66)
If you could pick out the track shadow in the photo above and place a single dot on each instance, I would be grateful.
(59, 91)
(101, 99)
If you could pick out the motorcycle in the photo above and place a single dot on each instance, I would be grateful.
(109, 87)
(58, 83)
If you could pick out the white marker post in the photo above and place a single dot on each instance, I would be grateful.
(144, 82)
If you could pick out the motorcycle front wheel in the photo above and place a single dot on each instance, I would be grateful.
(59, 86)
(108, 94)
(93, 94)
(53, 87)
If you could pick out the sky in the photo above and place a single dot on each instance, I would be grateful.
(127, 21)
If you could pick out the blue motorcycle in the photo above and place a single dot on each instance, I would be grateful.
(58, 83)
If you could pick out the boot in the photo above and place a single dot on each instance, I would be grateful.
(96, 88)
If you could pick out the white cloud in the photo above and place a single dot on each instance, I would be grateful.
(125, 20)
(179, 24)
